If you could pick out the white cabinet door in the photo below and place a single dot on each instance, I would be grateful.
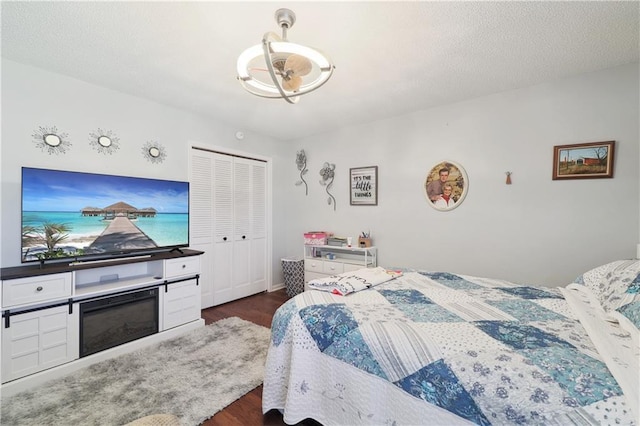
(180, 304)
(38, 340)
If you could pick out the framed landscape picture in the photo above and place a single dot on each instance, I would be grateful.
(583, 160)
(363, 186)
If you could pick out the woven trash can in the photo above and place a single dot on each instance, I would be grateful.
(293, 269)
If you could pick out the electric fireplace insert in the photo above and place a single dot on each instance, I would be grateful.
(113, 320)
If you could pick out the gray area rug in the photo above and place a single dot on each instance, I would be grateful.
(191, 376)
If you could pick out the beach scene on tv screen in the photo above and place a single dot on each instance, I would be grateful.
(72, 214)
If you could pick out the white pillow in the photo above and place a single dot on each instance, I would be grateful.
(616, 287)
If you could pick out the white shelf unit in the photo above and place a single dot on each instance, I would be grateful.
(107, 279)
(319, 264)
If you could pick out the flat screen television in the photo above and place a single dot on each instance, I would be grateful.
(78, 216)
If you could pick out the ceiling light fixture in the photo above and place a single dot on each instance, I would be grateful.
(280, 69)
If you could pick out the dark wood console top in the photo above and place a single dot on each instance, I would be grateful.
(35, 269)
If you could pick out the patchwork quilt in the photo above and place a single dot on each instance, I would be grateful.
(439, 348)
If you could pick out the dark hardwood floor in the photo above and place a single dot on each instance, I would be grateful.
(247, 411)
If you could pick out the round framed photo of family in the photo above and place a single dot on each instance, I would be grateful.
(446, 185)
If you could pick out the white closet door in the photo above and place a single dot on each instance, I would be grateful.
(241, 226)
(201, 198)
(223, 228)
(201, 219)
(229, 223)
(259, 226)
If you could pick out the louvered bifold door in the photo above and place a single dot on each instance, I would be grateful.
(223, 234)
(201, 201)
(241, 226)
(258, 226)
(229, 224)
(201, 218)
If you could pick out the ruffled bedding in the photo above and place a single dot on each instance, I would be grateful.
(618, 348)
(449, 348)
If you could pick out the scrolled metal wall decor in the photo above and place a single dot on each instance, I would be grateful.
(328, 173)
(301, 162)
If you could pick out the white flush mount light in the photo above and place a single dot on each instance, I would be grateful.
(278, 68)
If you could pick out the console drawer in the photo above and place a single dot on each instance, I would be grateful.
(182, 266)
(313, 265)
(333, 268)
(349, 267)
(22, 291)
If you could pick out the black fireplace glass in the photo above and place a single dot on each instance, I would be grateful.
(114, 320)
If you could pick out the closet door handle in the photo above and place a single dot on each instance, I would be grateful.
(224, 238)
(244, 236)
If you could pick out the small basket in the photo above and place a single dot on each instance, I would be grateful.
(364, 242)
(316, 238)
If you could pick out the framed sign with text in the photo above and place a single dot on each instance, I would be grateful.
(363, 186)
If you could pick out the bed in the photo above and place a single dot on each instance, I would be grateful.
(440, 348)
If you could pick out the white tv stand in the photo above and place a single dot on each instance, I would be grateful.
(41, 307)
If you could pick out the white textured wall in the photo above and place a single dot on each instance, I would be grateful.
(536, 230)
(32, 97)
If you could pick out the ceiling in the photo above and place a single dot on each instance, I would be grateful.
(391, 57)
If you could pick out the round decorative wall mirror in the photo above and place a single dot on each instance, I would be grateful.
(50, 140)
(154, 152)
(104, 141)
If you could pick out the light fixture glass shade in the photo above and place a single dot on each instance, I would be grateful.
(262, 71)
